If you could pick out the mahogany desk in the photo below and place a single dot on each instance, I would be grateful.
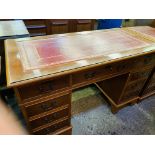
(45, 70)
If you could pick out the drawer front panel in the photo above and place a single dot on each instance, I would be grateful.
(139, 75)
(47, 105)
(102, 71)
(53, 128)
(49, 118)
(43, 88)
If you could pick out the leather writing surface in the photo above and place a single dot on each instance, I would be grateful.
(43, 53)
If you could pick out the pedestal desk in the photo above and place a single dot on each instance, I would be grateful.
(45, 70)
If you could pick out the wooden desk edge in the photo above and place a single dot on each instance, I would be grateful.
(55, 75)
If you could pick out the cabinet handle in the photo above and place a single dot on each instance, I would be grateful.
(121, 67)
(50, 118)
(46, 107)
(45, 87)
(90, 75)
(48, 130)
(109, 68)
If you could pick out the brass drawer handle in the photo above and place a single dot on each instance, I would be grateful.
(109, 68)
(50, 106)
(122, 67)
(90, 75)
(50, 118)
(45, 87)
(48, 130)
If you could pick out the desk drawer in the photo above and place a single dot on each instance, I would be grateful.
(53, 128)
(41, 107)
(102, 71)
(43, 88)
(139, 75)
(49, 118)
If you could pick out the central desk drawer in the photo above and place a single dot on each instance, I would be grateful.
(53, 128)
(41, 107)
(43, 88)
(102, 71)
(49, 118)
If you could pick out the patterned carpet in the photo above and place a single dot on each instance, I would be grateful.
(91, 115)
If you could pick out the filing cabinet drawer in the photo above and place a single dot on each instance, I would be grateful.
(53, 128)
(49, 118)
(43, 88)
(41, 107)
(139, 75)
